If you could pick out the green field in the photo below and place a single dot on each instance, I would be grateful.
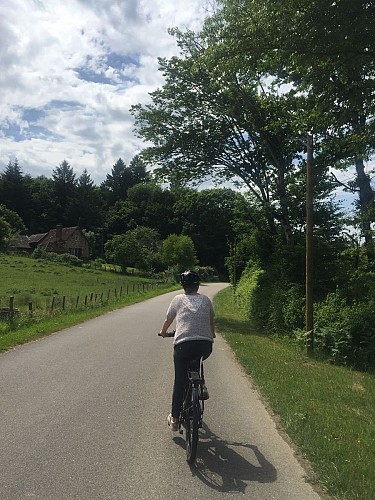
(77, 294)
(38, 281)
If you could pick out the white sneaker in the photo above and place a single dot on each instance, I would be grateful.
(172, 422)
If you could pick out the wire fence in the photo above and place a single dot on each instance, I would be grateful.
(64, 303)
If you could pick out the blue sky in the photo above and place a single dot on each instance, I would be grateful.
(69, 72)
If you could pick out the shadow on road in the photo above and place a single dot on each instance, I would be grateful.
(222, 465)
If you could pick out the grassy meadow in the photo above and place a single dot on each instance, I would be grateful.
(34, 280)
(88, 292)
(328, 411)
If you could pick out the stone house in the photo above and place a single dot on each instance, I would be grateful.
(59, 240)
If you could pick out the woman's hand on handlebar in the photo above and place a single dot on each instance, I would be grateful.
(166, 334)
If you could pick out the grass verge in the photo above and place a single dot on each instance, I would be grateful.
(328, 411)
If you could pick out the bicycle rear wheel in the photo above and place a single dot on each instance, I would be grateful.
(192, 423)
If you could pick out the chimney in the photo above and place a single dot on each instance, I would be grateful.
(59, 232)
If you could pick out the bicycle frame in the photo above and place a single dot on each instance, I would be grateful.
(193, 407)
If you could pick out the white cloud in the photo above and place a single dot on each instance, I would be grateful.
(70, 70)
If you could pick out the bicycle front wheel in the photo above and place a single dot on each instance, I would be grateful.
(192, 423)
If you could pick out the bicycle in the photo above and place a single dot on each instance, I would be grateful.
(191, 416)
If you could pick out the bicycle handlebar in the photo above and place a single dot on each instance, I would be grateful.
(168, 334)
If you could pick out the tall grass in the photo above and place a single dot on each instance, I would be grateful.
(328, 411)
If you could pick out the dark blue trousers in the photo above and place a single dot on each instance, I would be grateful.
(192, 349)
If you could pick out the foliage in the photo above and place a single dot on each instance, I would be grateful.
(65, 258)
(343, 320)
(246, 290)
(179, 252)
(11, 224)
(345, 331)
(136, 248)
(121, 178)
(198, 213)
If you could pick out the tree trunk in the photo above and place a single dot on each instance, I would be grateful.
(283, 199)
(366, 202)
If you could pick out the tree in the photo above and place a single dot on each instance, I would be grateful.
(13, 190)
(87, 205)
(328, 55)
(207, 218)
(220, 121)
(178, 251)
(136, 248)
(11, 224)
(64, 181)
(122, 178)
(150, 205)
(43, 202)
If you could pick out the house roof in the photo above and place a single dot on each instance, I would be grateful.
(52, 238)
(35, 238)
(20, 241)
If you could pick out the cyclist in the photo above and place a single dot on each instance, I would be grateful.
(195, 331)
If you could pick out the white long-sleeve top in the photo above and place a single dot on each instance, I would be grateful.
(193, 315)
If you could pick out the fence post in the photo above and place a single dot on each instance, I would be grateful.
(30, 308)
(77, 300)
(11, 307)
(53, 303)
(63, 303)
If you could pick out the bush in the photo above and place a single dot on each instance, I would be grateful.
(344, 332)
(247, 293)
(64, 258)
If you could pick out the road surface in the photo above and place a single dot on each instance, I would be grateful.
(83, 416)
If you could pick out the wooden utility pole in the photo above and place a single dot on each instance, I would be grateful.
(309, 248)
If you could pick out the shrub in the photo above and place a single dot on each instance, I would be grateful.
(345, 332)
(247, 291)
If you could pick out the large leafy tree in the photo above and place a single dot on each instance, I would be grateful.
(325, 50)
(177, 251)
(207, 217)
(136, 248)
(221, 121)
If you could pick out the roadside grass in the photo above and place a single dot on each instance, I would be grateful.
(327, 411)
(22, 277)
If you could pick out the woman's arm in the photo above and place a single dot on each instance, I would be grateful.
(212, 325)
(167, 323)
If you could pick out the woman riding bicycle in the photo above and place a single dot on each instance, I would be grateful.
(195, 331)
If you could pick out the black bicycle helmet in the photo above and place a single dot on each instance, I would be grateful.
(189, 278)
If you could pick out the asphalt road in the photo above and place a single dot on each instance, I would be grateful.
(83, 416)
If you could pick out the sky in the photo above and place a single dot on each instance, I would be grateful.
(69, 72)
